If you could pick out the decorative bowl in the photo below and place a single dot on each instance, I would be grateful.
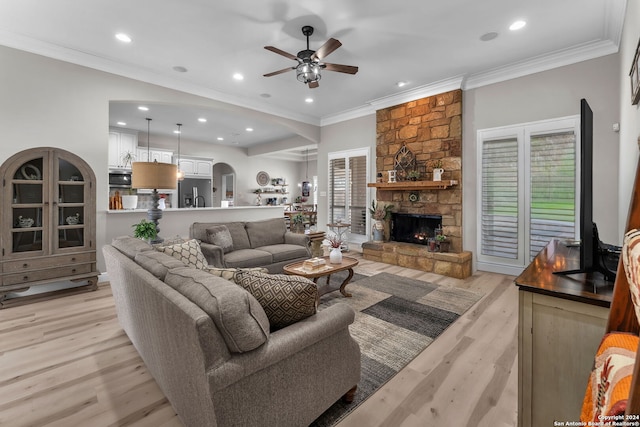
(25, 222)
(73, 220)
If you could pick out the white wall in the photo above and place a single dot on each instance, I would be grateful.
(629, 114)
(45, 102)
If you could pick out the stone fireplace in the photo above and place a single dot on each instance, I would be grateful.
(431, 130)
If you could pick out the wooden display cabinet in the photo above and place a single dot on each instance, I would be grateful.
(48, 221)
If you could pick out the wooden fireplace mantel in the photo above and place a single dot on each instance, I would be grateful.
(413, 185)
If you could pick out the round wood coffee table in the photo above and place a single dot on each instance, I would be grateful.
(326, 271)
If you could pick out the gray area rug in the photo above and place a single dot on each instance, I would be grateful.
(396, 319)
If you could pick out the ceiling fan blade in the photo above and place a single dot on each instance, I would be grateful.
(275, 73)
(349, 69)
(326, 49)
(313, 85)
(281, 52)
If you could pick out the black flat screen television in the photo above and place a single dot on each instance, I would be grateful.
(592, 251)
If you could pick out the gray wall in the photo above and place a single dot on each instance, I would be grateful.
(45, 102)
(547, 95)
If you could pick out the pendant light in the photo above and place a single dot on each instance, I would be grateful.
(180, 172)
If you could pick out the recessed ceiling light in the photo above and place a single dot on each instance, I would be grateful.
(123, 37)
(202, 120)
(238, 76)
(220, 138)
(121, 124)
(249, 129)
(143, 108)
(308, 100)
(180, 69)
(488, 36)
(401, 84)
(517, 25)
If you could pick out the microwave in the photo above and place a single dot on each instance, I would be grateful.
(119, 179)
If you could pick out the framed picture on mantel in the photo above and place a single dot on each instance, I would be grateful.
(635, 79)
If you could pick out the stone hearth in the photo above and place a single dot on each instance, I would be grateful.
(411, 255)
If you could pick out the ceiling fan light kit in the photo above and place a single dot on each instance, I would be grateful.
(309, 61)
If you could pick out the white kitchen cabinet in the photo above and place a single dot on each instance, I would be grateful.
(196, 168)
(161, 156)
(120, 144)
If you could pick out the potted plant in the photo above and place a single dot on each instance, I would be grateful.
(335, 256)
(436, 166)
(297, 223)
(127, 158)
(413, 175)
(443, 242)
(145, 230)
(130, 201)
(379, 214)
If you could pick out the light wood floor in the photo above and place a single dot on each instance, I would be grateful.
(65, 362)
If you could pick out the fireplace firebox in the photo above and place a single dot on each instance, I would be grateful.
(414, 228)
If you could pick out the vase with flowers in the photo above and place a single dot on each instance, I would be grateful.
(335, 256)
(379, 214)
(436, 166)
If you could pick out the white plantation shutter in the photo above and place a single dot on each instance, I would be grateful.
(553, 189)
(337, 189)
(527, 191)
(358, 195)
(499, 214)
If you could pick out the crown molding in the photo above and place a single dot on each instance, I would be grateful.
(90, 60)
(373, 105)
(556, 59)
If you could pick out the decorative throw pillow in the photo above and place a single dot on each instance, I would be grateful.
(230, 273)
(631, 260)
(285, 299)
(188, 252)
(219, 235)
(610, 381)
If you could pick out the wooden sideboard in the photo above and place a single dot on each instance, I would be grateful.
(561, 322)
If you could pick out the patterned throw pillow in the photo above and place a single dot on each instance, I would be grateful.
(631, 260)
(285, 299)
(188, 252)
(230, 273)
(219, 235)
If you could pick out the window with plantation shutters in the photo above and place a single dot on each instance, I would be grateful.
(348, 194)
(527, 191)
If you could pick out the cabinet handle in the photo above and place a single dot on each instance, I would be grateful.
(25, 278)
(73, 259)
(73, 270)
(25, 265)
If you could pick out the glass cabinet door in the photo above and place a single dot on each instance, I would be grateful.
(28, 206)
(69, 230)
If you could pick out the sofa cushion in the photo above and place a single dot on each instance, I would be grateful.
(285, 252)
(130, 246)
(267, 232)
(157, 263)
(247, 258)
(238, 235)
(219, 235)
(188, 252)
(237, 314)
(230, 273)
(631, 262)
(285, 299)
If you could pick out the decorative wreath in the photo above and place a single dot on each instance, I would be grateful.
(413, 197)
(30, 171)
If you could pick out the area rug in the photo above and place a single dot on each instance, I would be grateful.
(396, 319)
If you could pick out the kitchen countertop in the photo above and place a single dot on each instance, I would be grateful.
(123, 211)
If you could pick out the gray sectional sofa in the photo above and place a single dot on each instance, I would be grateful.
(205, 341)
(265, 243)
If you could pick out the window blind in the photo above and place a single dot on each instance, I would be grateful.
(358, 194)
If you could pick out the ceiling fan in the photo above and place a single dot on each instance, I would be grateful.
(309, 65)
